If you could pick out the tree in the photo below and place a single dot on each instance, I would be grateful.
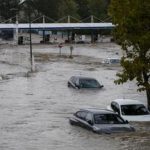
(68, 7)
(48, 8)
(132, 20)
(98, 8)
(27, 11)
(5, 8)
(83, 8)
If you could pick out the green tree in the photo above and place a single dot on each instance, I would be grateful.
(98, 8)
(27, 10)
(48, 8)
(6, 7)
(68, 7)
(56, 9)
(83, 8)
(132, 20)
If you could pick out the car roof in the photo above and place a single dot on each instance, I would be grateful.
(127, 101)
(82, 77)
(114, 58)
(97, 111)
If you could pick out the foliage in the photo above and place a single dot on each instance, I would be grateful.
(98, 8)
(132, 20)
(56, 9)
(82, 8)
(6, 10)
(67, 7)
(48, 8)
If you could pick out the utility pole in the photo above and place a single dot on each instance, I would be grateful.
(17, 22)
(68, 19)
(30, 35)
(44, 40)
(92, 19)
(31, 56)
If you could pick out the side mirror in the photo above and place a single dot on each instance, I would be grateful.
(90, 122)
(148, 108)
(101, 86)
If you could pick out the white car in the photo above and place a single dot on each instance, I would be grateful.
(130, 110)
(111, 61)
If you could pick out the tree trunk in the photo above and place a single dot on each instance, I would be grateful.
(146, 79)
(148, 98)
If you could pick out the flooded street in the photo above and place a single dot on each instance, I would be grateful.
(34, 108)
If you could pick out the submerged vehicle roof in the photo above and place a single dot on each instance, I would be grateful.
(82, 77)
(127, 101)
(97, 110)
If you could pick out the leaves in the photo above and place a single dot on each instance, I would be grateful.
(6, 6)
(57, 9)
(132, 19)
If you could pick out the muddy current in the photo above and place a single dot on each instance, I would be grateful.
(35, 107)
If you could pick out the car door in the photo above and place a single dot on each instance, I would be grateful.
(80, 117)
(72, 82)
(89, 121)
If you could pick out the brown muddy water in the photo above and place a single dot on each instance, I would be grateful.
(34, 109)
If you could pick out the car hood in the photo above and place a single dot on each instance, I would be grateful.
(137, 118)
(112, 128)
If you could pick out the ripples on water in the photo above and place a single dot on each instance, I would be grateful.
(34, 110)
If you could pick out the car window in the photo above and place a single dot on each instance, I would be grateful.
(89, 117)
(112, 61)
(114, 119)
(115, 107)
(100, 119)
(81, 114)
(89, 83)
(73, 80)
(138, 109)
(108, 119)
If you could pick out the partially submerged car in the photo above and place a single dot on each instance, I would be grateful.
(79, 82)
(111, 61)
(131, 110)
(100, 121)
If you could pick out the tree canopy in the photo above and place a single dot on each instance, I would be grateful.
(6, 8)
(57, 9)
(132, 20)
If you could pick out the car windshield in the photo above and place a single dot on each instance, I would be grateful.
(89, 83)
(137, 109)
(108, 119)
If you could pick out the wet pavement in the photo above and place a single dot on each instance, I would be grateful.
(34, 108)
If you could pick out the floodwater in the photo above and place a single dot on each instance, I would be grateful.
(34, 108)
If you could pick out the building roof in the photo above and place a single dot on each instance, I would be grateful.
(61, 26)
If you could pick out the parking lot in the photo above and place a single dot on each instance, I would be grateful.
(34, 109)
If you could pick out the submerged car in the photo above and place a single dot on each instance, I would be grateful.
(111, 61)
(100, 121)
(131, 110)
(79, 82)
